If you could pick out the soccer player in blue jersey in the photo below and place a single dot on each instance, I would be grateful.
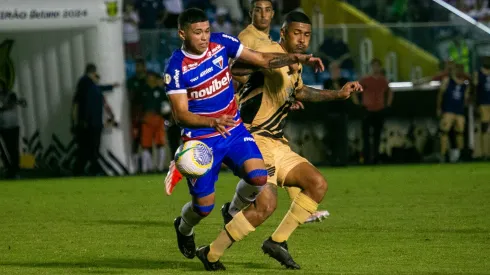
(200, 90)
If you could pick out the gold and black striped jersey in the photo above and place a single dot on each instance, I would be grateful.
(267, 96)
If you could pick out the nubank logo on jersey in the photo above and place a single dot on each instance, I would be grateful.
(212, 87)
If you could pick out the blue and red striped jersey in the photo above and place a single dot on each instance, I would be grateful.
(206, 79)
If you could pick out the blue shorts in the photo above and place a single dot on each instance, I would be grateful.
(233, 150)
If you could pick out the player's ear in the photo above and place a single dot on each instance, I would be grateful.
(283, 32)
(182, 34)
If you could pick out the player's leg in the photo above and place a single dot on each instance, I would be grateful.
(366, 138)
(459, 129)
(444, 127)
(173, 175)
(160, 143)
(245, 159)
(135, 156)
(485, 130)
(298, 172)
(146, 146)
(378, 121)
(201, 205)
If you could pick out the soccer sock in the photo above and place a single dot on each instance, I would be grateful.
(237, 229)
(161, 158)
(136, 164)
(245, 194)
(444, 144)
(189, 219)
(301, 208)
(293, 192)
(146, 161)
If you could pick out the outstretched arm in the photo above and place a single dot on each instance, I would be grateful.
(315, 95)
(276, 60)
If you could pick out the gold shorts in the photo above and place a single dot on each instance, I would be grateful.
(450, 119)
(278, 157)
(485, 113)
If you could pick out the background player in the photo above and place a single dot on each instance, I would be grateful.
(203, 104)
(451, 101)
(133, 85)
(265, 102)
(153, 101)
(482, 83)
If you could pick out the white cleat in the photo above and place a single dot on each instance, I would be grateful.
(318, 216)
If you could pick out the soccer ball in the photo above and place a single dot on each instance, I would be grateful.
(193, 159)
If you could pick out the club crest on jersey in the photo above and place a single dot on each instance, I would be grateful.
(218, 62)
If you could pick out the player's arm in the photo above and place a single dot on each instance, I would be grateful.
(440, 95)
(316, 95)
(182, 116)
(276, 60)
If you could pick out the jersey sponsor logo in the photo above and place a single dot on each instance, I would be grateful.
(248, 139)
(217, 48)
(218, 62)
(216, 86)
(231, 38)
(189, 67)
(176, 78)
(194, 79)
(207, 71)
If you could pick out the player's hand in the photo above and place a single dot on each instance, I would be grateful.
(221, 123)
(349, 88)
(297, 105)
(309, 60)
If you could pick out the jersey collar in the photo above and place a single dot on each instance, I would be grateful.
(193, 56)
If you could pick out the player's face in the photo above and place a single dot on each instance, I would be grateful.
(152, 80)
(376, 67)
(262, 14)
(297, 37)
(196, 37)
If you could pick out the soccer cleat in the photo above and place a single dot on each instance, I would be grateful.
(318, 216)
(186, 244)
(173, 177)
(227, 217)
(279, 251)
(202, 253)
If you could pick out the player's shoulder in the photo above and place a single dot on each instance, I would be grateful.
(273, 47)
(175, 61)
(223, 38)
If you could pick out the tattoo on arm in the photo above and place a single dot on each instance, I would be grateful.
(309, 94)
(280, 61)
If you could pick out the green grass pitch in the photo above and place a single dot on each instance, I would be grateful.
(421, 219)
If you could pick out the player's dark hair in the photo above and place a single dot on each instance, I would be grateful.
(298, 17)
(191, 16)
(252, 4)
(90, 68)
(376, 61)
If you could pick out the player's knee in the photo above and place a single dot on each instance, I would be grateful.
(257, 177)
(319, 184)
(265, 209)
(484, 127)
(203, 211)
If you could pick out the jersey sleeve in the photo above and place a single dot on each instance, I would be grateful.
(232, 45)
(173, 79)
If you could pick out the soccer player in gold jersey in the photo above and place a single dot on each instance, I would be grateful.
(255, 36)
(265, 101)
